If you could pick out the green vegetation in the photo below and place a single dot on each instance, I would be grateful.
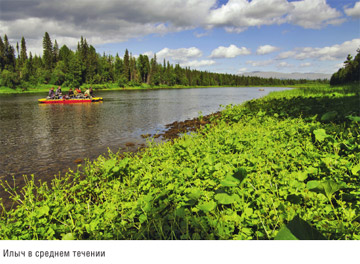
(282, 167)
(62, 66)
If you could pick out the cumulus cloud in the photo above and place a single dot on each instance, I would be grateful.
(284, 64)
(229, 52)
(266, 49)
(313, 14)
(335, 52)
(353, 12)
(285, 55)
(184, 56)
(328, 53)
(237, 15)
(306, 64)
(179, 55)
(197, 63)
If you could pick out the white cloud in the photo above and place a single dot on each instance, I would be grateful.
(285, 55)
(259, 63)
(335, 52)
(179, 55)
(150, 54)
(284, 64)
(197, 63)
(339, 65)
(328, 53)
(237, 15)
(313, 14)
(200, 35)
(184, 56)
(266, 49)
(306, 64)
(353, 12)
(229, 52)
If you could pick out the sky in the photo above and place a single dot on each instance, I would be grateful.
(226, 36)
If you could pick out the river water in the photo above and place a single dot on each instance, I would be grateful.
(47, 139)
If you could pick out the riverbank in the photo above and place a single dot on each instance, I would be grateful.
(280, 160)
(44, 88)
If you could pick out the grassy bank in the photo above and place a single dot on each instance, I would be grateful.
(290, 159)
(44, 88)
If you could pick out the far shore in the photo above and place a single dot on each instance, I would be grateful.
(44, 88)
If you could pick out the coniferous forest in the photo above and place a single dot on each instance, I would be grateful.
(350, 73)
(63, 66)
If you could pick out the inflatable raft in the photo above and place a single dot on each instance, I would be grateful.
(70, 101)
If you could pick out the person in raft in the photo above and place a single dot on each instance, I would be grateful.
(58, 93)
(70, 93)
(51, 93)
(89, 93)
(78, 93)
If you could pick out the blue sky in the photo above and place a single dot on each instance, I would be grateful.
(233, 36)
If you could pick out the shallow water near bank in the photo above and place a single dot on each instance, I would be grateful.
(47, 139)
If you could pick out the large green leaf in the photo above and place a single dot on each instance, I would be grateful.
(329, 116)
(320, 135)
(356, 169)
(44, 210)
(109, 164)
(194, 193)
(207, 206)
(224, 198)
(240, 174)
(328, 188)
(68, 236)
(354, 118)
(298, 229)
(235, 179)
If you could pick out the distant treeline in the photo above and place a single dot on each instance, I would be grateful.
(62, 66)
(350, 73)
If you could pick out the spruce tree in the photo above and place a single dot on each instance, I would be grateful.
(119, 67)
(17, 49)
(55, 52)
(47, 52)
(2, 54)
(9, 55)
(127, 66)
(23, 54)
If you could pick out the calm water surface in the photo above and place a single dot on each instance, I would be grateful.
(46, 139)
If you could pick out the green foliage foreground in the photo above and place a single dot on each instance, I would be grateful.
(282, 167)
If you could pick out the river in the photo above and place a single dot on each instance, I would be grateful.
(45, 140)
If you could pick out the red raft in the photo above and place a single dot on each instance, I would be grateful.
(70, 101)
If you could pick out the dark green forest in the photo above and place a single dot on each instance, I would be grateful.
(63, 66)
(350, 73)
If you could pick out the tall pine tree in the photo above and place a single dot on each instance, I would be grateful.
(23, 54)
(127, 65)
(2, 54)
(9, 55)
(47, 52)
